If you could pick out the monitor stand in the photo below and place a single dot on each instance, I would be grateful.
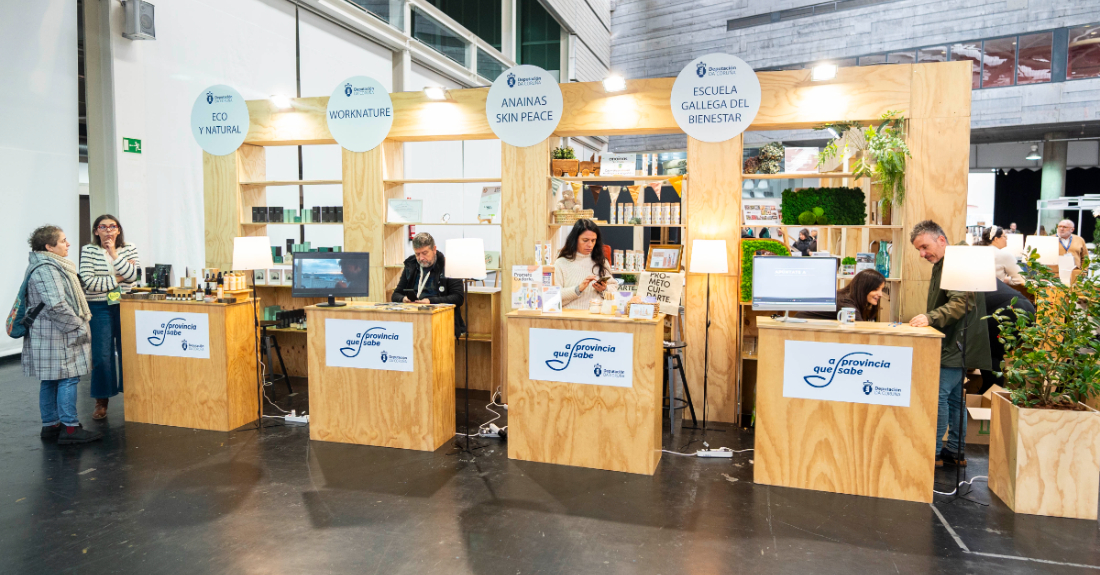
(332, 303)
(787, 318)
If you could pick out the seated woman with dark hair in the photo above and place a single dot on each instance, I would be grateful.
(863, 293)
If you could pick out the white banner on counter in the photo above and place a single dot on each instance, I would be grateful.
(219, 120)
(385, 345)
(618, 164)
(588, 357)
(524, 105)
(173, 334)
(715, 97)
(872, 374)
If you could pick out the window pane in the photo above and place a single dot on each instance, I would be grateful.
(971, 51)
(381, 9)
(434, 34)
(488, 67)
(936, 54)
(1034, 64)
(999, 63)
(872, 60)
(1084, 53)
(901, 58)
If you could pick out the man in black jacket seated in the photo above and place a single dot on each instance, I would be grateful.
(423, 280)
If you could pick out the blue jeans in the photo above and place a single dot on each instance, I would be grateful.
(58, 395)
(106, 329)
(948, 414)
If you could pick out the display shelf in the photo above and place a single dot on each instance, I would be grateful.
(818, 226)
(286, 330)
(401, 267)
(442, 181)
(850, 277)
(272, 183)
(261, 286)
(614, 178)
(399, 224)
(797, 176)
(292, 223)
(479, 337)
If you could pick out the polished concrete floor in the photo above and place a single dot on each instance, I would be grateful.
(153, 499)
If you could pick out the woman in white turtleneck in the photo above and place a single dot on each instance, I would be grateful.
(580, 265)
(1007, 270)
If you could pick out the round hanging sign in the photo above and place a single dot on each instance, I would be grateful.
(359, 114)
(715, 97)
(524, 105)
(219, 120)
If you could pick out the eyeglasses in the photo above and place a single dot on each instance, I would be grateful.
(107, 228)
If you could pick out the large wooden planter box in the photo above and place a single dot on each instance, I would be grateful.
(1045, 461)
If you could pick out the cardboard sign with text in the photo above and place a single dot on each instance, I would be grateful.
(667, 287)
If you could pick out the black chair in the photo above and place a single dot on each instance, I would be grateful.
(673, 360)
(267, 343)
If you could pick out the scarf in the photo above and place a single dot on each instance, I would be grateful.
(79, 303)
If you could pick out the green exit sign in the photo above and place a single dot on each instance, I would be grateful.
(131, 145)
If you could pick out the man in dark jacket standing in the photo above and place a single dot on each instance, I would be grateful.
(949, 311)
(423, 279)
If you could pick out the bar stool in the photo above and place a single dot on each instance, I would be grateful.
(267, 343)
(673, 360)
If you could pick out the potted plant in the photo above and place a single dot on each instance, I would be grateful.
(883, 157)
(564, 163)
(1044, 447)
(848, 266)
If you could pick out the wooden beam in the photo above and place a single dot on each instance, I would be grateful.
(789, 100)
(363, 213)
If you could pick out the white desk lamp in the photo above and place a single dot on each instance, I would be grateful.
(254, 253)
(465, 259)
(708, 257)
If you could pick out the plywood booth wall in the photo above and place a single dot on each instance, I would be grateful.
(935, 98)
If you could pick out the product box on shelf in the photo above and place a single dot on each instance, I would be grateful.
(275, 214)
(339, 214)
(259, 214)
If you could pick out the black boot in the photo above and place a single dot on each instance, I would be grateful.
(73, 435)
(50, 432)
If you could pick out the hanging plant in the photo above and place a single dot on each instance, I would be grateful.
(885, 150)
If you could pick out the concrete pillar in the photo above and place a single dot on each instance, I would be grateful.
(99, 91)
(1054, 175)
(402, 72)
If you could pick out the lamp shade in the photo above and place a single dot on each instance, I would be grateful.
(252, 253)
(1015, 244)
(1047, 246)
(969, 268)
(708, 257)
(465, 258)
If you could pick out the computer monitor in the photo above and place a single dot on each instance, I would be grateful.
(331, 274)
(794, 284)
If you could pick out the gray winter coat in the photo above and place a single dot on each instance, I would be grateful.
(59, 344)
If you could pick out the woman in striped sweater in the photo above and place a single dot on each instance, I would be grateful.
(106, 264)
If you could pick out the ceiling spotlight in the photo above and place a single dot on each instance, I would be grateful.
(823, 72)
(435, 93)
(280, 101)
(614, 83)
(1034, 154)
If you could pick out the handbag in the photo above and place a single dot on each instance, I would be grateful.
(19, 321)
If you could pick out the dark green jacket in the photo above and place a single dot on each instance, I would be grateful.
(946, 311)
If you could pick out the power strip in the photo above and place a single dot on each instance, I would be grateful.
(720, 452)
(297, 420)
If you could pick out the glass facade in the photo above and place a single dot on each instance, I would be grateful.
(388, 11)
(489, 67)
(429, 31)
(933, 54)
(1084, 53)
(999, 62)
(482, 17)
(1034, 58)
(538, 36)
(972, 52)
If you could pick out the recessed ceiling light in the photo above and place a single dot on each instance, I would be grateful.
(280, 101)
(614, 83)
(823, 72)
(435, 93)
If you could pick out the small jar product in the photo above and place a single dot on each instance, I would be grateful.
(594, 306)
(611, 213)
(621, 212)
(647, 214)
(675, 215)
(666, 214)
(628, 213)
(620, 258)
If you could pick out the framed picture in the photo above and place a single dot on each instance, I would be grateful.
(259, 277)
(664, 258)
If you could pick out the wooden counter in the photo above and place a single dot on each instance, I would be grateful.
(838, 443)
(386, 398)
(217, 392)
(607, 422)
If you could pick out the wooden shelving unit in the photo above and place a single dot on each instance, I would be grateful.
(401, 182)
(598, 179)
(402, 224)
(798, 176)
(292, 223)
(274, 183)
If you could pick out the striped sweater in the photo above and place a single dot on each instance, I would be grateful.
(97, 272)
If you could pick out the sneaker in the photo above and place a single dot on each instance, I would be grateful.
(51, 432)
(73, 435)
(951, 458)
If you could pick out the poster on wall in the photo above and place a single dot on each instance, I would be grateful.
(219, 120)
(384, 345)
(871, 374)
(359, 113)
(586, 357)
(172, 334)
(664, 287)
(488, 206)
(715, 97)
(618, 164)
(524, 105)
(520, 276)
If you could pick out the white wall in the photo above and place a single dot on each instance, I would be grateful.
(38, 138)
(247, 44)
(980, 194)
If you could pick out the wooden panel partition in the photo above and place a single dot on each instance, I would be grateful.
(935, 99)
